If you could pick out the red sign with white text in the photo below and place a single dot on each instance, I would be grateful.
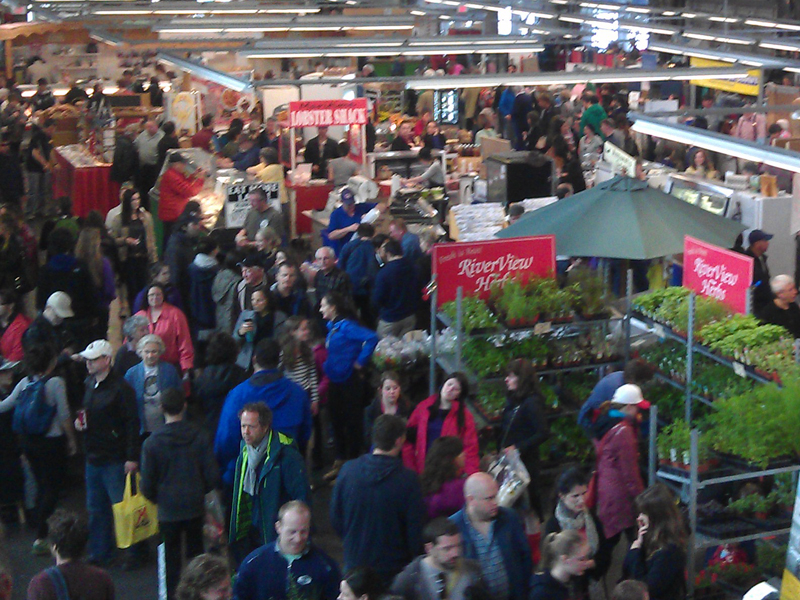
(474, 266)
(328, 113)
(717, 273)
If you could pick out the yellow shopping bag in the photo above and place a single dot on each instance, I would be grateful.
(135, 518)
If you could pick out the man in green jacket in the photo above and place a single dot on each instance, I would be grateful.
(593, 112)
(269, 473)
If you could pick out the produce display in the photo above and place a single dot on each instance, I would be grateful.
(742, 338)
(393, 354)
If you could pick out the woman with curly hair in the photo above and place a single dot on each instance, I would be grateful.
(206, 577)
(442, 479)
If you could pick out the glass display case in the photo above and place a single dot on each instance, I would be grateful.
(445, 106)
(703, 193)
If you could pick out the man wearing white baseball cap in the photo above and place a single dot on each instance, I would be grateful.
(111, 424)
(48, 328)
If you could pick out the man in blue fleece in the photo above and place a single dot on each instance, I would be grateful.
(292, 568)
(377, 506)
(396, 292)
(290, 405)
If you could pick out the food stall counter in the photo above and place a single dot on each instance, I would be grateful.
(306, 197)
(84, 178)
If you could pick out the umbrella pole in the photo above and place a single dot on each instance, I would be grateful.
(629, 295)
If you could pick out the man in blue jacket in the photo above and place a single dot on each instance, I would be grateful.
(292, 568)
(495, 537)
(269, 472)
(377, 506)
(396, 292)
(359, 261)
(289, 403)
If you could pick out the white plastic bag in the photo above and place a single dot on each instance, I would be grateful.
(511, 475)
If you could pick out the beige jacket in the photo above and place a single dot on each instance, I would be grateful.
(120, 232)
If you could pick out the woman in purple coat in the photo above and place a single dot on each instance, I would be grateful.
(442, 479)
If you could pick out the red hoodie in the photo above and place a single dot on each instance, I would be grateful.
(174, 192)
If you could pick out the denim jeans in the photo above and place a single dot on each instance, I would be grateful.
(105, 485)
(38, 192)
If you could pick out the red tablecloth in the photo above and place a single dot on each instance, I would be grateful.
(91, 188)
(309, 197)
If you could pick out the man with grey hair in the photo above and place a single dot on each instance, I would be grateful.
(329, 278)
(260, 215)
(146, 144)
(783, 309)
(134, 328)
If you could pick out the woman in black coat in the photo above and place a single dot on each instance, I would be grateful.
(219, 377)
(658, 555)
(524, 424)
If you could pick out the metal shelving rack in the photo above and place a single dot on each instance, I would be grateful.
(691, 481)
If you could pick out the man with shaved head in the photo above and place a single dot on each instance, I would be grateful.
(495, 537)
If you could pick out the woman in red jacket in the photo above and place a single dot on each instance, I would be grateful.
(177, 186)
(169, 323)
(442, 414)
(618, 477)
(13, 325)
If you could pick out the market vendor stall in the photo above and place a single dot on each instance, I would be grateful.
(84, 178)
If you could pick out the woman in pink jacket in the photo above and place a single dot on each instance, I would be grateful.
(169, 323)
(618, 478)
(441, 415)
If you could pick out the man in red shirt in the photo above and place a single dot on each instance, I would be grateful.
(176, 189)
(202, 139)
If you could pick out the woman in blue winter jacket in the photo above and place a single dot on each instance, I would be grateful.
(350, 347)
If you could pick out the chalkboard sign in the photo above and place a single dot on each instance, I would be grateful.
(237, 204)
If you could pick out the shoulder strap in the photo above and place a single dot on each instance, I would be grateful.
(59, 583)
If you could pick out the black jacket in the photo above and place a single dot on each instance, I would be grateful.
(179, 254)
(378, 511)
(65, 273)
(212, 387)
(545, 587)
(178, 469)
(762, 293)
(524, 426)
(126, 160)
(663, 572)
(112, 421)
(317, 156)
(42, 331)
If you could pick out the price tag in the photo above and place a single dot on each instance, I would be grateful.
(739, 369)
(541, 328)
(659, 331)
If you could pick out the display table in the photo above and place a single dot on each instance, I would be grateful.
(85, 179)
(307, 197)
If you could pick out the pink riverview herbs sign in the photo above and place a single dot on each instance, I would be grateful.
(474, 266)
(717, 273)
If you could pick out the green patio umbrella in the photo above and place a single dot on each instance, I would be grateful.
(624, 218)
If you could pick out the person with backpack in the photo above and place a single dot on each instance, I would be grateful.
(71, 577)
(42, 420)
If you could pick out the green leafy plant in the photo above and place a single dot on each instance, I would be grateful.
(588, 290)
(706, 311)
(475, 314)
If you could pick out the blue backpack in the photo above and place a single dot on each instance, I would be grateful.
(32, 414)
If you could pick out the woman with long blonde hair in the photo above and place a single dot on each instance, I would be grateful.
(87, 249)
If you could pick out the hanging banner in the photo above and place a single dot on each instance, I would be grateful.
(328, 113)
(474, 266)
(747, 86)
(717, 273)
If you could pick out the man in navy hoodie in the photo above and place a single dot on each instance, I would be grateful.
(290, 405)
(396, 292)
(377, 505)
(358, 260)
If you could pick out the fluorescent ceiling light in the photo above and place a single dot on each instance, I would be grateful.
(637, 9)
(699, 36)
(760, 23)
(780, 46)
(609, 76)
(418, 13)
(723, 19)
(775, 157)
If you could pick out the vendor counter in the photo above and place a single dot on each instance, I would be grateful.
(311, 196)
(84, 178)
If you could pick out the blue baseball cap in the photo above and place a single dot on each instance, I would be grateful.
(347, 196)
